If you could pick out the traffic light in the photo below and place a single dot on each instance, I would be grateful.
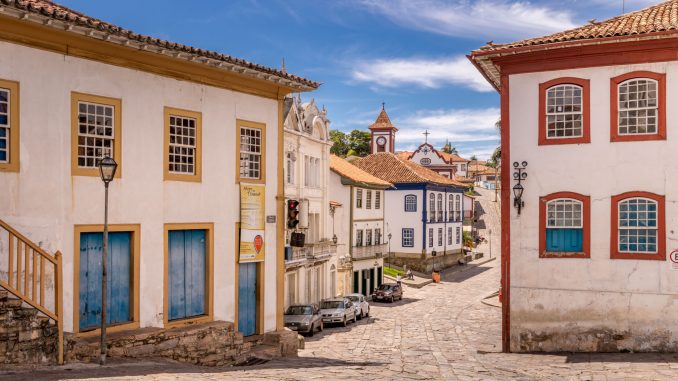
(292, 214)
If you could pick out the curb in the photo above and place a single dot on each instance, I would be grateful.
(469, 266)
(409, 284)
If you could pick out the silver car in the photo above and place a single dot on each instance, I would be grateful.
(303, 318)
(362, 308)
(337, 310)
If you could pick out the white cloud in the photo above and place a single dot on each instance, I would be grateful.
(422, 72)
(500, 20)
(457, 126)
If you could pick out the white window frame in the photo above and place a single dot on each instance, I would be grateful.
(430, 237)
(408, 236)
(175, 145)
(654, 228)
(410, 203)
(620, 109)
(246, 164)
(553, 223)
(359, 198)
(550, 92)
(368, 200)
(99, 152)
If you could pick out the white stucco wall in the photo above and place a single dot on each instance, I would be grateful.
(565, 298)
(44, 201)
(396, 219)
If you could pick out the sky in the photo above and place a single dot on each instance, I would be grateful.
(409, 54)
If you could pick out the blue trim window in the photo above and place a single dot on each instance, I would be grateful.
(440, 236)
(564, 228)
(458, 235)
(410, 203)
(638, 226)
(430, 237)
(432, 208)
(408, 237)
(449, 235)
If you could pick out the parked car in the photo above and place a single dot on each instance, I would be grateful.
(388, 291)
(304, 318)
(362, 308)
(337, 310)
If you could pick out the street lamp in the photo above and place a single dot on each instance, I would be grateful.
(107, 168)
(389, 251)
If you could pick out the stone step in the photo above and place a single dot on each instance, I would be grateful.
(4, 294)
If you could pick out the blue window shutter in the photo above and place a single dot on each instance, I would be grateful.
(564, 240)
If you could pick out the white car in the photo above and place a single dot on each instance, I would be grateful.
(337, 310)
(362, 308)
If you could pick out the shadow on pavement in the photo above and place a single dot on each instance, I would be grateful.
(397, 303)
(576, 358)
(461, 276)
(150, 367)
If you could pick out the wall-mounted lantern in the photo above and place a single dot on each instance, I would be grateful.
(519, 175)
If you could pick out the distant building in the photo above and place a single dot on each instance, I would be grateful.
(424, 213)
(585, 261)
(310, 271)
(358, 224)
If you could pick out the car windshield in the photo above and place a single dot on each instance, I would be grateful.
(299, 310)
(332, 304)
(385, 287)
(354, 298)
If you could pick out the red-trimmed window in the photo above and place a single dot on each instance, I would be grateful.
(564, 225)
(564, 111)
(638, 107)
(638, 226)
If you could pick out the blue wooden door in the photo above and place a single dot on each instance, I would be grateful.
(187, 273)
(247, 298)
(118, 279)
(564, 240)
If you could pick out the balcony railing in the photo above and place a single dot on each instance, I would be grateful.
(313, 251)
(367, 252)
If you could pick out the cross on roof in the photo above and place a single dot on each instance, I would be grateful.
(426, 134)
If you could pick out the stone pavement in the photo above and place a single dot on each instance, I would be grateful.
(439, 332)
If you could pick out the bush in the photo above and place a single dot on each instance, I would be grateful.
(468, 239)
(393, 272)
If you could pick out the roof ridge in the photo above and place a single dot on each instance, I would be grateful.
(56, 11)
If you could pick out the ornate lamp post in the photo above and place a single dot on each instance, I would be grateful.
(107, 168)
(519, 175)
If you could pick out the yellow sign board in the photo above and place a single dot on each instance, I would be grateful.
(252, 223)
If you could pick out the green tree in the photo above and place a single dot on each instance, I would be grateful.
(449, 148)
(359, 142)
(340, 140)
(495, 158)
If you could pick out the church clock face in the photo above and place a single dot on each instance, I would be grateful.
(381, 141)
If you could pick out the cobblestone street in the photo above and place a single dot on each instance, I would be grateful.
(440, 332)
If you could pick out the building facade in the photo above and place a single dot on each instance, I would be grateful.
(311, 270)
(587, 261)
(360, 227)
(183, 147)
(424, 214)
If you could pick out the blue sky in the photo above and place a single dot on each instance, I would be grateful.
(407, 53)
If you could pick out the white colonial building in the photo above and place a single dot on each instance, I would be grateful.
(424, 214)
(311, 270)
(185, 126)
(359, 226)
(588, 262)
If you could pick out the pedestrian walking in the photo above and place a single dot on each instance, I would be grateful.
(398, 279)
(409, 274)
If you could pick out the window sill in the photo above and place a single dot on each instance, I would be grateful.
(638, 256)
(564, 254)
(559, 141)
(637, 138)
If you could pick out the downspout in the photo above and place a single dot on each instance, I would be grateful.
(446, 205)
(350, 227)
(280, 227)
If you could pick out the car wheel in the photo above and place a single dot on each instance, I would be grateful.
(322, 327)
(345, 321)
(401, 297)
(360, 316)
(391, 299)
(311, 332)
(367, 314)
(355, 318)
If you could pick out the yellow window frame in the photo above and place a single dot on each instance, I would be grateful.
(13, 163)
(116, 103)
(173, 176)
(262, 170)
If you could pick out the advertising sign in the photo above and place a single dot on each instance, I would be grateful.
(252, 223)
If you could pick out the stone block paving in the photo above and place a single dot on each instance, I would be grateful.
(439, 332)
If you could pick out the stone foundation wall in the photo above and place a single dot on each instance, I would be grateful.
(210, 344)
(26, 336)
(426, 265)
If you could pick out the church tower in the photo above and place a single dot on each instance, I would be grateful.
(383, 133)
